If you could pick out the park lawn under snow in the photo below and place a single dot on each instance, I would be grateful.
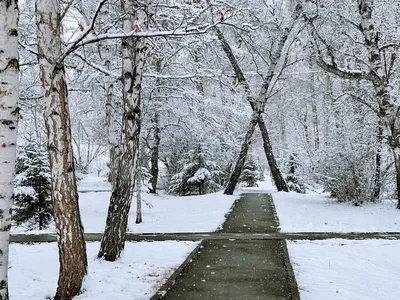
(341, 269)
(161, 213)
(318, 213)
(346, 269)
(330, 269)
(142, 269)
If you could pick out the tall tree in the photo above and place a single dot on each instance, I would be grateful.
(71, 244)
(9, 115)
(134, 54)
(376, 65)
(258, 104)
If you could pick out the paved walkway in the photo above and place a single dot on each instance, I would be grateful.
(240, 269)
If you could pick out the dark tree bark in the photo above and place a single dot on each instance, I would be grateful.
(234, 178)
(275, 171)
(378, 163)
(154, 153)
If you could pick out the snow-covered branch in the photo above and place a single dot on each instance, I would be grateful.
(85, 39)
(72, 46)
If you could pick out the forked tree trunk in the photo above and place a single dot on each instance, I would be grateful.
(234, 178)
(9, 115)
(134, 53)
(71, 244)
(276, 173)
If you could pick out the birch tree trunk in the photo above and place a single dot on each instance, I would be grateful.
(113, 127)
(113, 103)
(71, 244)
(134, 53)
(388, 111)
(378, 76)
(9, 115)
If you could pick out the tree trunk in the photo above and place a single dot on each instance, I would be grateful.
(327, 109)
(397, 166)
(234, 178)
(378, 163)
(114, 130)
(276, 173)
(71, 244)
(134, 53)
(139, 196)
(154, 152)
(113, 103)
(314, 108)
(9, 115)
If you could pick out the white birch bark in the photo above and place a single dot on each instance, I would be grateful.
(69, 229)
(134, 54)
(113, 103)
(9, 114)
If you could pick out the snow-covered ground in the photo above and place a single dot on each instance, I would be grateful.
(346, 270)
(162, 213)
(330, 269)
(341, 269)
(142, 269)
(308, 212)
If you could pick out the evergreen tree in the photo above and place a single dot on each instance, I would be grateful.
(292, 180)
(250, 173)
(32, 200)
(197, 175)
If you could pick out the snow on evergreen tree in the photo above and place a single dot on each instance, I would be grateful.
(250, 173)
(32, 201)
(292, 179)
(198, 174)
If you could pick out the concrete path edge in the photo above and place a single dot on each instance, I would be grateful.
(171, 280)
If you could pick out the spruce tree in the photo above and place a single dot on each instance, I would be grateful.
(250, 173)
(32, 202)
(197, 175)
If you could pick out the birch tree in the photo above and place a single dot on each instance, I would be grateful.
(71, 244)
(134, 54)
(9, 115)
(375, 64)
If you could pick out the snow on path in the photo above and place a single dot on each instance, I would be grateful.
(143, 268)
(343, 269)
